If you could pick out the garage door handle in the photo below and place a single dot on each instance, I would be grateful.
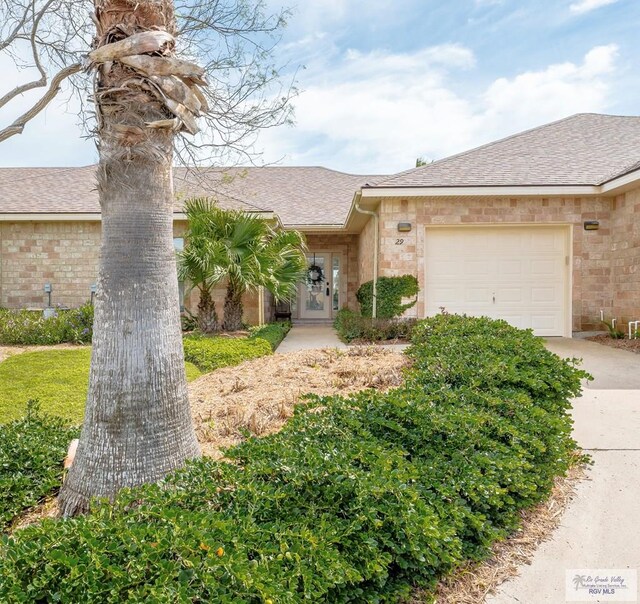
(494, 298)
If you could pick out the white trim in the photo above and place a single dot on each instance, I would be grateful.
(88, 217)
(533, 191)
(95, 217)
(621, 181)
(314, 227)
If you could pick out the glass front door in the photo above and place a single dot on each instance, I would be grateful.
(315, 292)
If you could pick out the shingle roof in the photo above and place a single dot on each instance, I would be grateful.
(309, 195)
(303, 196)
(584, 149)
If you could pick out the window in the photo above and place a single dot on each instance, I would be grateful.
(335, 297)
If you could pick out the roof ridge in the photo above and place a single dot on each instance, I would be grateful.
(484, 146)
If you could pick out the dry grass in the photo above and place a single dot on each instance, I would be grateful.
(47, 509)
(259, 395)
(472, 583)
(630, 345)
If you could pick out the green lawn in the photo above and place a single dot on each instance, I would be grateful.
(58, 378)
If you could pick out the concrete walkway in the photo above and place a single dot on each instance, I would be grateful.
(306, 337)
(601, 527)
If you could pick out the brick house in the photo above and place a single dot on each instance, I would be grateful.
(541, 228)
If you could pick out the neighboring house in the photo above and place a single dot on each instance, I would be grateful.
(541, 228)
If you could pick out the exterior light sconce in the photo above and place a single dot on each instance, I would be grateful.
(591, 225)
(94, 289)
(404, 227)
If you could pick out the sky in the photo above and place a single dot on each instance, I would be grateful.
(383, 82)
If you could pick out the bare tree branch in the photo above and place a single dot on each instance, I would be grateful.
(233, 40)
(17, 127)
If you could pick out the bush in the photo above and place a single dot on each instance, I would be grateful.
(352, 326)
(390, 292)
(209, 353)
(273, 333)
(25, 327)
(31, 453)
(355, 500)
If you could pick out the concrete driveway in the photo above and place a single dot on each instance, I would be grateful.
(601, 527)
(612, 368)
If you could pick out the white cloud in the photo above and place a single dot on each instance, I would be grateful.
(537, 97)
(377, 112)
(585, 6)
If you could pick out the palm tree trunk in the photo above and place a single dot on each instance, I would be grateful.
(207, 315)
(137, 424)
(233, 308)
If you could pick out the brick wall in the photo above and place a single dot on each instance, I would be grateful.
(64, 254)
(625, 257)
(365, 252)
(591, 249)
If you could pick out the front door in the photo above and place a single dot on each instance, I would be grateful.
(315, 290)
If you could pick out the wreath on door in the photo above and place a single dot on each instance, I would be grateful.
(315, 275)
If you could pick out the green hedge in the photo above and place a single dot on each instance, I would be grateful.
(209, 353)
(352, 326)
(273, 333)
(355, 500)
(31, 453)
(25, 327)
(390, 292)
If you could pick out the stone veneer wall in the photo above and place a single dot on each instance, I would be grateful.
(347, 246)
(591, 249)
(66, 254)
(625, 258)
(365, 253)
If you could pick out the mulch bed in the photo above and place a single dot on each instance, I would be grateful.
(630, 345)
(259, 395)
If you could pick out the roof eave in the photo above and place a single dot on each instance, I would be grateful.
(482, 191)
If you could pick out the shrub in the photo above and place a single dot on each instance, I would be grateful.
(273, 333)
(352, 326)
(209, 353)
(355, 500)
(31, 454)
(390, 292)
(24, 327)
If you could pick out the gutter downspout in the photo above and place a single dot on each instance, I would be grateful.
(376, 237)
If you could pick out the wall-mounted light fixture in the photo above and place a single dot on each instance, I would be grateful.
(94, 289)
(591, 225)
(404, 227)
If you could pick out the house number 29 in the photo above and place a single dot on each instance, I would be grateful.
(399, 241)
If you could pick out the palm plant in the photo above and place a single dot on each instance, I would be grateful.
(244, 249)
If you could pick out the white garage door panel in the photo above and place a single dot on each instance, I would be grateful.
(518, 274)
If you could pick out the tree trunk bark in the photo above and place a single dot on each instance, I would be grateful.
(233, 308)
(137, 424)
(207, 315)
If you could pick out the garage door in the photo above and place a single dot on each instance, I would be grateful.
(519, 274)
